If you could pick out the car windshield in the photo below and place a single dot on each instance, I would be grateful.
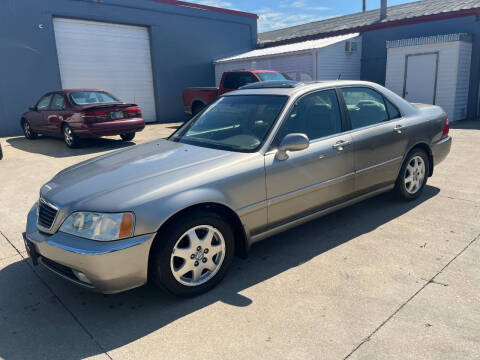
(272, 76)
(92, 97)
(236, 123)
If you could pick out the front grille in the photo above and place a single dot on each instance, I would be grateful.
(46, 214)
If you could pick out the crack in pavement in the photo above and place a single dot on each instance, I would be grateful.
(431, 281)
(75, 318)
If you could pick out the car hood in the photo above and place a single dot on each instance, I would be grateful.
(128, 172)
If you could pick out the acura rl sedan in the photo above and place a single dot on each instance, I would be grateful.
(255, 162)
(81, 113)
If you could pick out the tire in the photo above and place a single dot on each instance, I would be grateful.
(413, 175)
(196, 108)
(69, 137)
(27, 130)
(128, 136)
(210, 263)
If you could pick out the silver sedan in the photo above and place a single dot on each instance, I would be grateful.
(257, 161)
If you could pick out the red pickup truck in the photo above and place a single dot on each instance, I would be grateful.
(195, 98)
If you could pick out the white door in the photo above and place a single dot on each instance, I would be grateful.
(421, 78)
(112, 57)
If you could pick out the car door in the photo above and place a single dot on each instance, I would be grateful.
(37, 117)
(319, 176)
(54, 115)
(380, 137)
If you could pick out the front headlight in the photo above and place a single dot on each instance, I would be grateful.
(99, 226)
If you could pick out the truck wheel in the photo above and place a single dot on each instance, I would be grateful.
(196, 108)
(193, 254)
(413, 175)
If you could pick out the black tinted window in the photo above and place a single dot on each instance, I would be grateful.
(365, 106)
(58, 102)
(235, 80)
(393, 112)
(44, 102)
(316, 115)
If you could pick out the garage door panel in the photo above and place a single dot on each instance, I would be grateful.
(112, 57)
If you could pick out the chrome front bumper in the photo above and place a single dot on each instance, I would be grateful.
(110, 267)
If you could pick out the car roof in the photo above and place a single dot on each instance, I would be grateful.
(300, 87)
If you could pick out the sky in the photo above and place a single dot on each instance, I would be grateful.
(277, 14)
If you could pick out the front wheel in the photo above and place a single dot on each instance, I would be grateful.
(192, 256)
(128, 136)
(27, 130)
(413, 175)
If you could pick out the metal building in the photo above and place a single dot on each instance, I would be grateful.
(142, 51)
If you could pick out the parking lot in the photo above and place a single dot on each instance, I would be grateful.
(382, 279)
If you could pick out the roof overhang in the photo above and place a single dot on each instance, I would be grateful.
(208, 8)
(377, 26)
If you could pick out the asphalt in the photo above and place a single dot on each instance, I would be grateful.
(382, 279)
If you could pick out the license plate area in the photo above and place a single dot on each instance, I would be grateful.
(115, 115)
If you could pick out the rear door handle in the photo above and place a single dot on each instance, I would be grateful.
(340, 145)
(398, 129)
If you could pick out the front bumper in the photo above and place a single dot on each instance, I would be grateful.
(110, 267)
(441, 149)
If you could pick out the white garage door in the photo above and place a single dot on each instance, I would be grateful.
(112, 57)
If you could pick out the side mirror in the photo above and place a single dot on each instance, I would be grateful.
(32, 108)
(292, 142)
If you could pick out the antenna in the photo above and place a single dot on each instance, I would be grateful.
(339, 76)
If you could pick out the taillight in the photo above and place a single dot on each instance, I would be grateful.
(133, 112)
(446, 128)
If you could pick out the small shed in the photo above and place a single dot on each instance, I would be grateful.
(432, 70)
(321, 59)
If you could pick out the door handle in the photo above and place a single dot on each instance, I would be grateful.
(398, 129)
(339, 145)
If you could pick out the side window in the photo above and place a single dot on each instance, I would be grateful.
(44, 102)
(393, 112)
(235, 80)
(58, 102)
(365, 106)
(316, 115)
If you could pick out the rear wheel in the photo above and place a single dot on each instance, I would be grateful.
(192, 256)
(27, 130)
(69, 137)
(197, 107)
(128, 136)
(413, 175)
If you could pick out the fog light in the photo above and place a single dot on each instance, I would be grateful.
(81, 276)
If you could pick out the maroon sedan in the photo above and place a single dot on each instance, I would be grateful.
(82, 113)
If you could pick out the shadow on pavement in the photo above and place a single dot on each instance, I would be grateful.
(117, 320)
(55, 147)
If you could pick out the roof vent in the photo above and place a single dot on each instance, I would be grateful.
(383, 9)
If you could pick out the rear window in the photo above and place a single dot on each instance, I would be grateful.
(92, 97)
(267, 76)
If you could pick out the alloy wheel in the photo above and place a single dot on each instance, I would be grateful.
(68, 135)
(197, 255)
(414, 175)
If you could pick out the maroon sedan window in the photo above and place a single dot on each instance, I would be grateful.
(92, 97)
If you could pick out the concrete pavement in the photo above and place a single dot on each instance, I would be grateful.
(380, 280)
